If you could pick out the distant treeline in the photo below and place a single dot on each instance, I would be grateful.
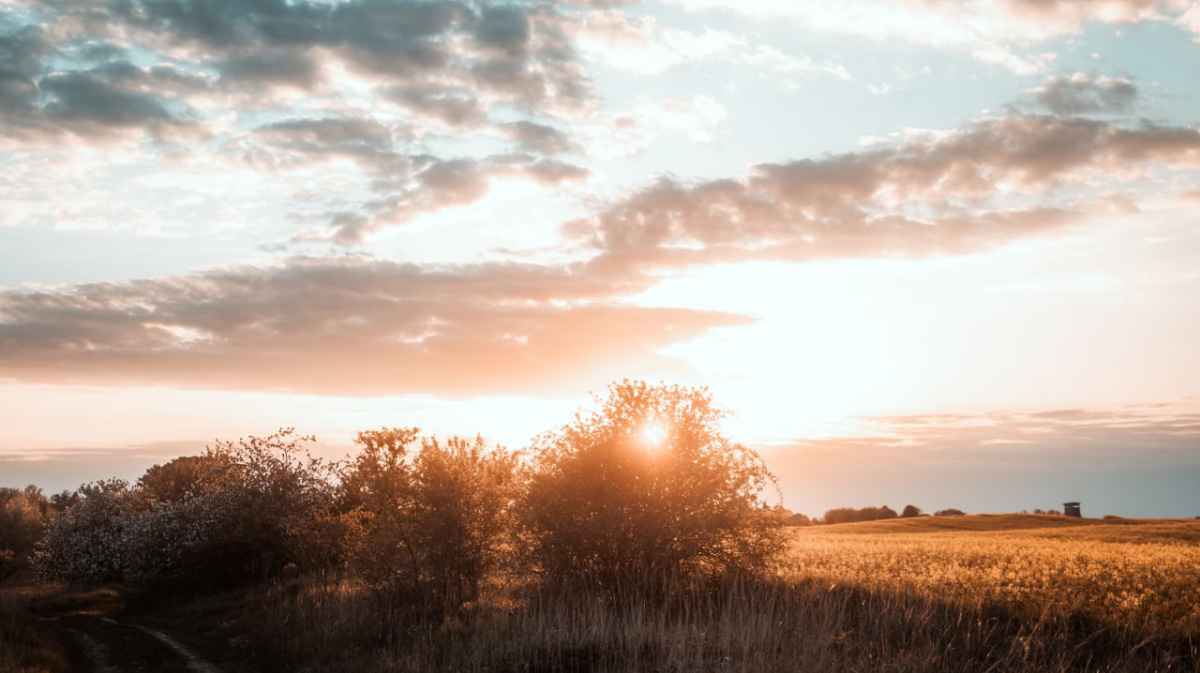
(852, 515)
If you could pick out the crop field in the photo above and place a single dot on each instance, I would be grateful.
(1143, 577)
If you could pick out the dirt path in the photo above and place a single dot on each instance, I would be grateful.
(105, 645)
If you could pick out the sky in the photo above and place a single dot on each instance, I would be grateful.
(932, 252)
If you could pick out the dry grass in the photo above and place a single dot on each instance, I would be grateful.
(969, 594)
(1089, 597)
(27, 644)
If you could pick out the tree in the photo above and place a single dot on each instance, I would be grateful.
(185, 477)
(852, 515)
(433, 521)
(910, 511)
(949, 512)
(648, 485)
(22, 519)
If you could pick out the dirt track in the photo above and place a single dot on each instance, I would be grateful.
(105, 645)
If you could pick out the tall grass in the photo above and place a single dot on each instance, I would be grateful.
(1009, 602)
(27, 645)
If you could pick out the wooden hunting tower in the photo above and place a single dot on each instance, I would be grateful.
(1071, 509)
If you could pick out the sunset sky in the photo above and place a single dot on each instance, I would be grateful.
(935, 252)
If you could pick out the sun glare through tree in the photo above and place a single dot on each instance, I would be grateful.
(654, 435)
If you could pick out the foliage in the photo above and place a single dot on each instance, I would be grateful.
(789, 518)
(950, 512)
(434, 522)
(23, 514)
(852, 515)
(185, 477)
(88, 540)
(647, 485)
(241, 511)
(262, 493)
(910, 511)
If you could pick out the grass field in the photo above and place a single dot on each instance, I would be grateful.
(971, 594)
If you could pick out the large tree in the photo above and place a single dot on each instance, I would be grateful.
(648, 485)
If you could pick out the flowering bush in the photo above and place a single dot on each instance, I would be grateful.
(240, 511)
(88, 540)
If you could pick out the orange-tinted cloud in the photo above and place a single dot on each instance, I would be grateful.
(347, 327)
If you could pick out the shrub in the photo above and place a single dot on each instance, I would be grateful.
(87, 542)
(648, 485)
(241, 511)
(432, 524)
(950, 512)
(22, 519)
(261, 495)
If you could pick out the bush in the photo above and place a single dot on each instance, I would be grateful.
(87, 542)
(432, 524)
(645, 486)
(261, 495)
(242, 511)
(911, 512)
(950, 512)
(22, 520)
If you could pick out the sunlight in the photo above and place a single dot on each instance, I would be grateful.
(654, 435)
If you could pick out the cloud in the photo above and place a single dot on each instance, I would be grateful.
(100, 103)
(438, 184)
(987, 29)
(515, 53)
(376, 84)
(441, 60)
(404, 183)
(944, 192)
(1082, 94)
(642, 45)
(540, 138)
(346, 327)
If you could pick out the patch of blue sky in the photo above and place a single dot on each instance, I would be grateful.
(1159, 58)
(44, 256)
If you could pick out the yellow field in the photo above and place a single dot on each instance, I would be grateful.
(1143, 576)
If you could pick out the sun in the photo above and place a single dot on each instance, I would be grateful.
(654, 435)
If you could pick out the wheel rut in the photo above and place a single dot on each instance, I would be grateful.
(105, 645)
